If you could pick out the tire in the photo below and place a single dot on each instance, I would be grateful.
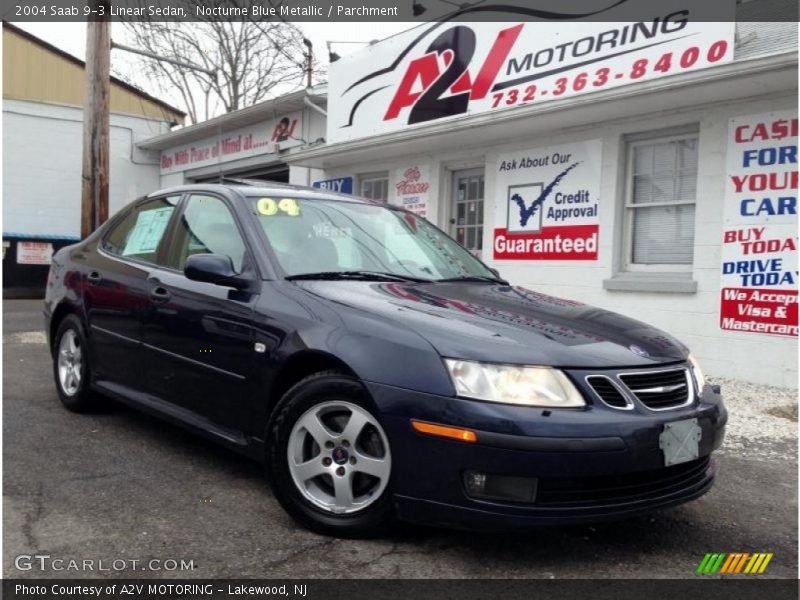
(316, 495)
(71, 369)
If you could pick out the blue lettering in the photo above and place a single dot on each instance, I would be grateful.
(343, 185)
(783, 205)
(770, 156)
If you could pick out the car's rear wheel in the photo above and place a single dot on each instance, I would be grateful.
(71, 366)
(329, 458)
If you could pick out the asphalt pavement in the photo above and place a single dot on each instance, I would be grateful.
(122, 486)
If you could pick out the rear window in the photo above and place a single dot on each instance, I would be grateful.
(139, 234)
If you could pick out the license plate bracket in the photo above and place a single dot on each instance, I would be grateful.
(680, 441)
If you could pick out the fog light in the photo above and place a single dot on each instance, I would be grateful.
(475, 482)
(485, 486)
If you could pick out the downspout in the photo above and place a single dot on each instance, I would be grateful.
(307, 101)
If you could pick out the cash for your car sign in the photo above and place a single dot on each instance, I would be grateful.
(759, 250)
(548, 199)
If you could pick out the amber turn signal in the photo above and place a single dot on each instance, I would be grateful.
(453, 433)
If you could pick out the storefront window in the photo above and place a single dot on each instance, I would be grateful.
(660, 206)
(375, 186)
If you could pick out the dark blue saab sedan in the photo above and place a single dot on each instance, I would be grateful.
(376, 367)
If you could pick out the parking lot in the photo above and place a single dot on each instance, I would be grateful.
(119, 485)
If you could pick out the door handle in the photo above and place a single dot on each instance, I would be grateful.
(94, 278)
(159, 294)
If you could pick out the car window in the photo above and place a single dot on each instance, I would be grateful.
(206, 226)
(140, 232)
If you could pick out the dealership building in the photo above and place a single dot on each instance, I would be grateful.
(43, 91)
(657, 178)
(251, 143)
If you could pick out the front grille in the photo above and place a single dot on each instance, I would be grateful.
(630, 487)
(661, 389)
(608, 392)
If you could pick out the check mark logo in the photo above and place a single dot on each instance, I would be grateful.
(526, 212)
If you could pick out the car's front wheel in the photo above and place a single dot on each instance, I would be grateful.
(329, 459)
(71, 366)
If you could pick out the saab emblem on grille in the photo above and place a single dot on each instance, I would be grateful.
(638, 350)
(661, 389)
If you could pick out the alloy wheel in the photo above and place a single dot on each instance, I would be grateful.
(339, 457)
(70, 359)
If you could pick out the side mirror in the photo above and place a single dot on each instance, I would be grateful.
(213, 268)
(495, 272)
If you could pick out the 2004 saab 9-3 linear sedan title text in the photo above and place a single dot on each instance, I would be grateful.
(376, 367)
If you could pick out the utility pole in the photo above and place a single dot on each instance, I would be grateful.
(309, 66)
(95, 172)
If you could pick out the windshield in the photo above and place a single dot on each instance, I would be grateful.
(319, 236)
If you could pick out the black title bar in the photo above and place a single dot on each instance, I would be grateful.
(411, 11)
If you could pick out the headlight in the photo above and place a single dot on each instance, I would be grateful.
(698, 374)
(529, 386)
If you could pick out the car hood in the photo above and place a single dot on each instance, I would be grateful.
(506, 324)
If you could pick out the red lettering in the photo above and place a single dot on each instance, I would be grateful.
(759, 182)
(423, 71)
(771, 246)
(426, 70)
(777, 130)
(496, 58)
(743, 235)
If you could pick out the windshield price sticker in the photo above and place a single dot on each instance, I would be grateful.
(268, 207)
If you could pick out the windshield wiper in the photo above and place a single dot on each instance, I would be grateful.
(475, 278)
(356, 276)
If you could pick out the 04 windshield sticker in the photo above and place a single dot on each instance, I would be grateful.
(269, 207)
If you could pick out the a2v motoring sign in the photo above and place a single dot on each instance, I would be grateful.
(759, 250)
(448, 69)
(548, 201)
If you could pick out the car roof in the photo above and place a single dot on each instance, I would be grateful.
(249, 187)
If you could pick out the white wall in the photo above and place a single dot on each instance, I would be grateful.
(42, 166)
(693, 318)
(172, 179)
(314, 125)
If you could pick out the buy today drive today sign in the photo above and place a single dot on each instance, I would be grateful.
(448, 69)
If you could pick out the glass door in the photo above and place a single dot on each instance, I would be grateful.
(466, 210)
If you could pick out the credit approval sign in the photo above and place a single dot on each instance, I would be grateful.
(759, 245)
(448, 69)
(548, 201)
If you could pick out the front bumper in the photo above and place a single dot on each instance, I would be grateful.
(591, 464)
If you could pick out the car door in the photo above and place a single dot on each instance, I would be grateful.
(199, 341)
(115, 290)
